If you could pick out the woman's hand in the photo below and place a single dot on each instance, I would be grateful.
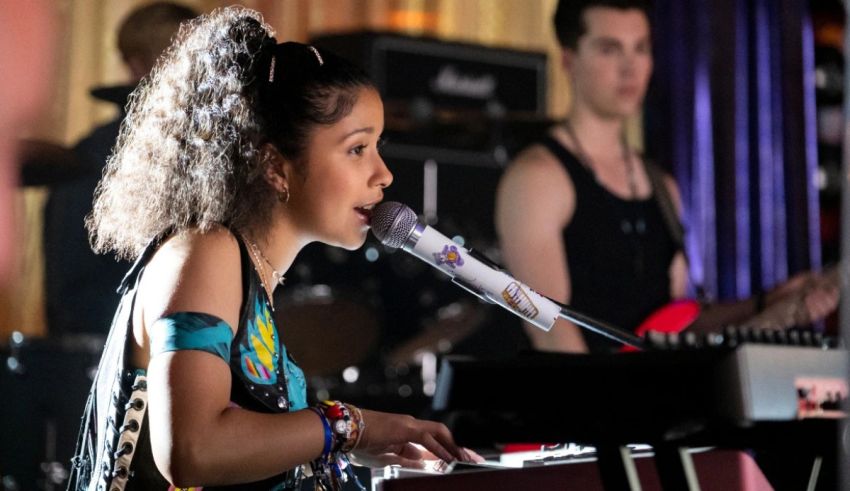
(411, 456)
(404, 440)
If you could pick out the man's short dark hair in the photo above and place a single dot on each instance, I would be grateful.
(147, 31)
(569, 16)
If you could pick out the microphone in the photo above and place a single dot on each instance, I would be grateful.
(395, 225)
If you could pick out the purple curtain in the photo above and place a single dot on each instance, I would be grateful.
(731, 114)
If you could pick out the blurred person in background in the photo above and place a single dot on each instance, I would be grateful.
(583, 218)
(80, 285)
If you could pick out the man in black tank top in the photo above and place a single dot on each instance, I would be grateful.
(576, 212)
(585, 220)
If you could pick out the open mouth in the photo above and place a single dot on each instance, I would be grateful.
(365, 212)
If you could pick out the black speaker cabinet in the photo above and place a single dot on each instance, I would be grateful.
(458, 200)
(450, 102)
(447, 74)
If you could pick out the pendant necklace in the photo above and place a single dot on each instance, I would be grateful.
(259, 259)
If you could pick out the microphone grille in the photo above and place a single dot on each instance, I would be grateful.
(392, 223)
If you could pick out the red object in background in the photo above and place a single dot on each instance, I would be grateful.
(522, 447)
(830, 224)
(671, 318)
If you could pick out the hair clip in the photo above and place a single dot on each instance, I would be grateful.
(271, 70)
(318, 56)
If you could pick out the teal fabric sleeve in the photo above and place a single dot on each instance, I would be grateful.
(191, 331)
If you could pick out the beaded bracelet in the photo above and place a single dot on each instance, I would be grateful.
(344, 426)
(346, 421)
(361, 426)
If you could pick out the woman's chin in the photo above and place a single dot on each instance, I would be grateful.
(349, 243)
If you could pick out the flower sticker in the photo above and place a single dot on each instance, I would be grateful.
(449, 255)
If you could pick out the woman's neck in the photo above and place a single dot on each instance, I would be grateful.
(274, 252)
(280, 245)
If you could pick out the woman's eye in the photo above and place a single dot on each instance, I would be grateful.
(358, 150)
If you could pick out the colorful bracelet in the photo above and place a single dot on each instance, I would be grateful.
(344, 426)
(347, 424)
(361, 426)
(328, 434)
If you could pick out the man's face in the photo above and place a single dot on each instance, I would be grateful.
(612, 62)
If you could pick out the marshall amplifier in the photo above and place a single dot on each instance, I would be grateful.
(447, 75)
(452, 103)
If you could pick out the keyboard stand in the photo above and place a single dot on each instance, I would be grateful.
(617, 468)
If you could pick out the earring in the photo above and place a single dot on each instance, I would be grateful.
(283, 196)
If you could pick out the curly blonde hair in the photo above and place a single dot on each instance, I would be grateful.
(189, 154)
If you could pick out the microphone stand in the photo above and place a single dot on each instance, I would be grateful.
(595, 325)
(599, 327)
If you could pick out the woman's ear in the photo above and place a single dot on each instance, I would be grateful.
(275, 168)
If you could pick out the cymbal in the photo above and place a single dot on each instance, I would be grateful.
(452, 324)
(326, 330)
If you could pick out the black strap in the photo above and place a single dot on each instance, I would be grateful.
(575, 168)
(665, 203)
(249, 288)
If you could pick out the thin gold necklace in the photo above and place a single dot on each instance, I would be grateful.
(278, 278)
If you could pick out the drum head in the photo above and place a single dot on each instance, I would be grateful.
(326, 330)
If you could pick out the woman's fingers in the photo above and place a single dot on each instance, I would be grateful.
(393, 433)
(437, 449)
(444, 437)
(472, 456)
(437, 439)
(411, 451)
(385, 459)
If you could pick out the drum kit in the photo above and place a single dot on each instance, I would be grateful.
(49, 380)
(368, 326)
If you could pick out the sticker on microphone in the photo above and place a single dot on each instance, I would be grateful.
(449, 256)
(516, 297)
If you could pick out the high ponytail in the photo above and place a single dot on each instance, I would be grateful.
(190, 139)
(189, 150)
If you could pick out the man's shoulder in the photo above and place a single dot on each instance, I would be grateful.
(542, 153)
(536, 161)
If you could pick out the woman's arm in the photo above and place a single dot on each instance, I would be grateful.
(197, 437)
